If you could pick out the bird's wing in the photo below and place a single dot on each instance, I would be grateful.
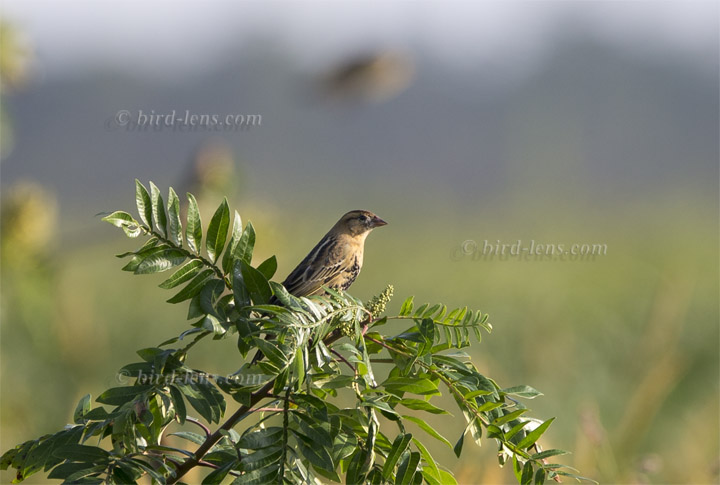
(321, 267)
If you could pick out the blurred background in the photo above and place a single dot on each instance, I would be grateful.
(558, 122)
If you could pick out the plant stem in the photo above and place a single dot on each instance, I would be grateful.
(286, 426)
(191, 255)
(212, 439)
(198, 423)
(191, 463)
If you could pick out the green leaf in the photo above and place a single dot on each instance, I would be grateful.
(160, 261)
(120, 395)
(241, 295)
(420, 405)
(213, 397)
(407, 307)
(144, 205)
(212, 324)
(474, 394)
(476, 430)
(178, 404)
(67, 470)
(143, 253)
(355, 473)
(125, 473)
(517, 467)
(268, 267)
(402, 441)
(193, 228)
(199, 401)
(515, 429)
(523, 391)
(343, 446)
(82, 408)
(299, 366)
(209, 298)
(261, 476)
(447, 478)
(261, 438)
(185, 273)
(527, 474)
(33, 456)
(459, 445)
(120, 219)
(535, 434)
(426, 327)
(190, 436)
(194, 287)
(169, 449)
(407, 468)
(261, 458)
(148, 248)
(218, 475)
(420, 310)
(419, 386)
(509, 417)
(256, 284)
(217, 231)
(82, 453)
(272, 352)
(174, 223)
(157, 477)
(244, 249)
(151, 242)
(318, 456)
(98, 414)
(547, 454)
(158, 210)
(428, 429)
(573, 476)
(429, 460)
(227, 259)
(540, 476)
(489, 406)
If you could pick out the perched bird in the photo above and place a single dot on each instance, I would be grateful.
(335, 261)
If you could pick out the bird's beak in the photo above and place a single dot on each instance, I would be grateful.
(377, 222)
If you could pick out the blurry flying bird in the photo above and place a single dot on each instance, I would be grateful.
(375, 76)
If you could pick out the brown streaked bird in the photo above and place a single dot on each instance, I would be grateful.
(335, 261)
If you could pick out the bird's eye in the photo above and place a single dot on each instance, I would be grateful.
(364, 218)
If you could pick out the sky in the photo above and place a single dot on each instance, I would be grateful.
(140, 36)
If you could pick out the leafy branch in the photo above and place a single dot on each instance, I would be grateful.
(322, 346)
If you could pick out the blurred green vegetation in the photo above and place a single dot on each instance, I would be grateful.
(633, 377)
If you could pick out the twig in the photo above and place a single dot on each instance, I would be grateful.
(286, 427)
(342, 358)
(197, 422)
(191, 463)
(266, 410)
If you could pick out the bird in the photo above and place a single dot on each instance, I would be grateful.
(335, 261)
(372, 76)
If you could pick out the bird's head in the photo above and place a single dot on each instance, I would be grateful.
(359, 222)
